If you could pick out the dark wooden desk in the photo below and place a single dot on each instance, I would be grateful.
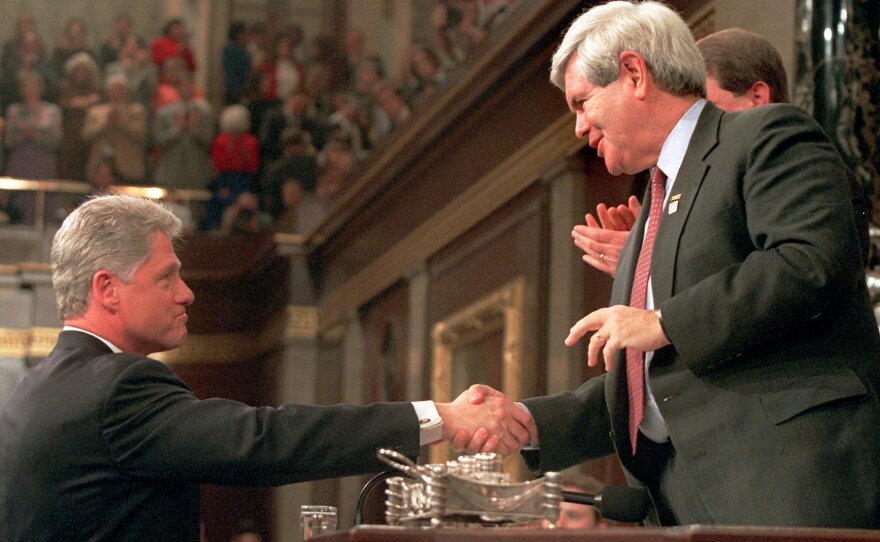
(695, 533)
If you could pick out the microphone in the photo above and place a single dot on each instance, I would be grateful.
(618, 503)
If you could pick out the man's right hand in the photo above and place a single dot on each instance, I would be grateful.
(603, 240)
(482, 419)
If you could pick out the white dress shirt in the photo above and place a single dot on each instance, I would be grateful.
(671, 156)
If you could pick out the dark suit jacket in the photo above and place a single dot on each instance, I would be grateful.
(770, 387)
(102, 446)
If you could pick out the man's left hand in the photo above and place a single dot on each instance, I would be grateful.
(616, 328)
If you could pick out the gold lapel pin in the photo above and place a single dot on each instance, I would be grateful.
(673, 203)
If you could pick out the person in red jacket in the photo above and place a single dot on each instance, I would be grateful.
(235, 154)
(172, 44)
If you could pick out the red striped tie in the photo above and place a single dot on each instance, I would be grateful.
(635, 359)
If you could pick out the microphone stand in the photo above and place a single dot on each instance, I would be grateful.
(367, 489)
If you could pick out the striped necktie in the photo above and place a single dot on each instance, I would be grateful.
(635, 359)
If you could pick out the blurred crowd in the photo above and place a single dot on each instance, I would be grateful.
(296, 115)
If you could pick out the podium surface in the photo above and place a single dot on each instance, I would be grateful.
(694, 533)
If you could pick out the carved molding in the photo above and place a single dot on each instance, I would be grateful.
(499, 186)
(500, 310)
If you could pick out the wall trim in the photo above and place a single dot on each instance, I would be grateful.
(499, 186)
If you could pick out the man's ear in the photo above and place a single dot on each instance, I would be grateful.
(634, 70)
(104, 289)
(759, 93)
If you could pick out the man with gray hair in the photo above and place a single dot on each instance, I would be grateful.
(100, 442)
(742, 358)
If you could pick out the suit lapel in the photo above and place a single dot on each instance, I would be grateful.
(680, 202)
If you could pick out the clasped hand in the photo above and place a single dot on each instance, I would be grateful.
(483, 419)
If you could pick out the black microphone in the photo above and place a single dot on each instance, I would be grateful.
(618, 503)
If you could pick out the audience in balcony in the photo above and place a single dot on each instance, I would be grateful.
(183, 132)
(33, 132)
(326, 102)
(117, 133)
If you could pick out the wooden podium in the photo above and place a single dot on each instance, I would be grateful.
(694, 533)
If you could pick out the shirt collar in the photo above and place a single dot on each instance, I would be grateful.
(111, 346)
(675, 146)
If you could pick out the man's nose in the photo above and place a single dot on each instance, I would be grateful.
(185, 295)
(581, 126)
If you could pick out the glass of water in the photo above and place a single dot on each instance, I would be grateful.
(315, 520)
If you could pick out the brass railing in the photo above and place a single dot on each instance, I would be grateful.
(58, 186)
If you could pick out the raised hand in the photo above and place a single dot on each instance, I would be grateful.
(602, 239)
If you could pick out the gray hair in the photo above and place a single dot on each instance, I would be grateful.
(235, 118)
(117, 78)
(109, 232)
(650, 29)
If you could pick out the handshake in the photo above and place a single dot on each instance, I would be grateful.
(483, 419)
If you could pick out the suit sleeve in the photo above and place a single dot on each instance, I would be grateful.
(155, 427)
(792, 189)
(572, 426)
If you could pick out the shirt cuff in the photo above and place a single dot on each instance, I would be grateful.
(430, 423)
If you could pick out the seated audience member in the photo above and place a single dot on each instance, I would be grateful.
(184, 130)
(348, 122)
(355, 48)
(244, 216)
(327, 52)
(33, 133)
(182, 211)
(298, 161)
(235, 154)
(425, 75)
(392, 103)
(336, 161)
(367, 75)
(236, 63)
(10, 211)
(291, 194)
(172, 75)
(456, 30)
(117, 132)
(173, 43)
(282, 75)
(73, 41)
(28, 55)
(296, 112)
(133, 61)
(24, 23)
(320, 87)
(79, 90)
(122, 32)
